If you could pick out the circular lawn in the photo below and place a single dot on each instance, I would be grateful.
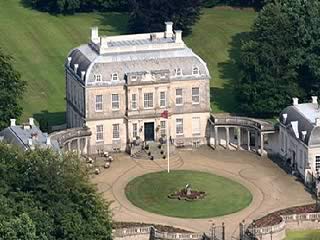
(223, 196)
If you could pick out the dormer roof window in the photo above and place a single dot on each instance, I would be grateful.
(178, 72)
(133, 78)
(195, 70)
(97, 77)
(114, 77)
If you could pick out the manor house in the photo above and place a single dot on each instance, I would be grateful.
(120, 86)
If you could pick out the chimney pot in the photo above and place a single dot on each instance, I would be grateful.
(168, 33)
(295, 101)
(95, 35)
(31, 122)
(178, 34)
(83, 73)
(314, 99)
(12, 122)
(304, 133)
(285, 116)
(69, 61)
(30, 141)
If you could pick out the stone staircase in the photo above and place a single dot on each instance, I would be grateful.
(153, 151)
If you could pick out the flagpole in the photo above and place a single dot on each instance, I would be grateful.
(168, 145)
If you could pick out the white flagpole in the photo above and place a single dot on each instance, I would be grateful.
(168, 145)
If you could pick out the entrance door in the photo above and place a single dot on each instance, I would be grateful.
(149, 131)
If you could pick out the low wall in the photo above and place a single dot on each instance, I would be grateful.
(150, 233)
(294, 222)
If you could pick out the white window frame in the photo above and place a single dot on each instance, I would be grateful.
(99, 133)
(162, 99)
(114, 77)
(116, 131)
(195, 96)
(134, 105)
(179, 126)
(179, 98)
(97, 77)
(99, 104)
(147, 101)
(195, 71)
(178, 72)
(113, 103)
(196, 131)
(134, 130)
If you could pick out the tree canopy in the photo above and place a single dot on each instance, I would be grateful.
(11, 90)
(150, 15)
(47, 196)
(280, 58)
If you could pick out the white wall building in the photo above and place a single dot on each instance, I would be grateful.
(299, 137)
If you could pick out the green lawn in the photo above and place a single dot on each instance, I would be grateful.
(304, 235)
(40, 42)
(150, 193)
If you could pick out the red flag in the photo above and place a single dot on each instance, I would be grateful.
(164, 114)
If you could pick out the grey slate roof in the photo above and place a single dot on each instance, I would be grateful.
(305, 114)
(19, 136)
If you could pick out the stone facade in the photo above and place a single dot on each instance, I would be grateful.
(119, 87)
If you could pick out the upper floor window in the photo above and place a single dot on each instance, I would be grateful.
(195, 70)
(178, 72)
(162, 99)
(148, 100)
(99, 133)
(134, 101)
(195, 95)
(97, 77)
(179, 96)
(116, 131)
(134, 130)
(179, 126)
(98, 103)
(115, 101)
(115, 77)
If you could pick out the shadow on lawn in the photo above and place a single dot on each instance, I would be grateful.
(114, 22)
(229, 72)
(47, 119)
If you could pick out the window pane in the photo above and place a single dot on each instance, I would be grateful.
(134, 130)
(179, 96)
(99, 103)
(179, 126)
(162, 99)
(115, 131)
(99, 132)
(195, 125)
(115, 101)
(148, 100)
(195, 95)
(134, 101)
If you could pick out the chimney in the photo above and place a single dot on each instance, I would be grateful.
(95, 35)
(75, 67)
(178, 36)
(314, 99)
(295, 101)
(168, 33)
(304, 133)
(284, 116)
(12, 122)
(318, 122)
(69, 61)
(48, 141)
(31, 122)
(83, 73)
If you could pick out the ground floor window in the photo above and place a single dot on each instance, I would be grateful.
(99, 133)
(163, 128)
(134, 130)
(317, 163)
(179, 126)
(115, 131)
(196, 126)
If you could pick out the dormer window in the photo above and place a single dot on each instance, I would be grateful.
(195, 70)
(133, 78)
(97, 77)
(115, 77)
(178, 72)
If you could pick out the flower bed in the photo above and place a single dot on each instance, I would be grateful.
(184, 195)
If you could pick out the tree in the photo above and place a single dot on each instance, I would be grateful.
(47, 196)
(150, 15)
(280, 59)
(11, 90)
(257, 4)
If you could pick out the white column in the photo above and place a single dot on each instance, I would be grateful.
(85, 148)
(216, 137)
(248, 139)
(78, 146)
(227, 138)
(239, 138)
(256, 141)
(261, 144)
